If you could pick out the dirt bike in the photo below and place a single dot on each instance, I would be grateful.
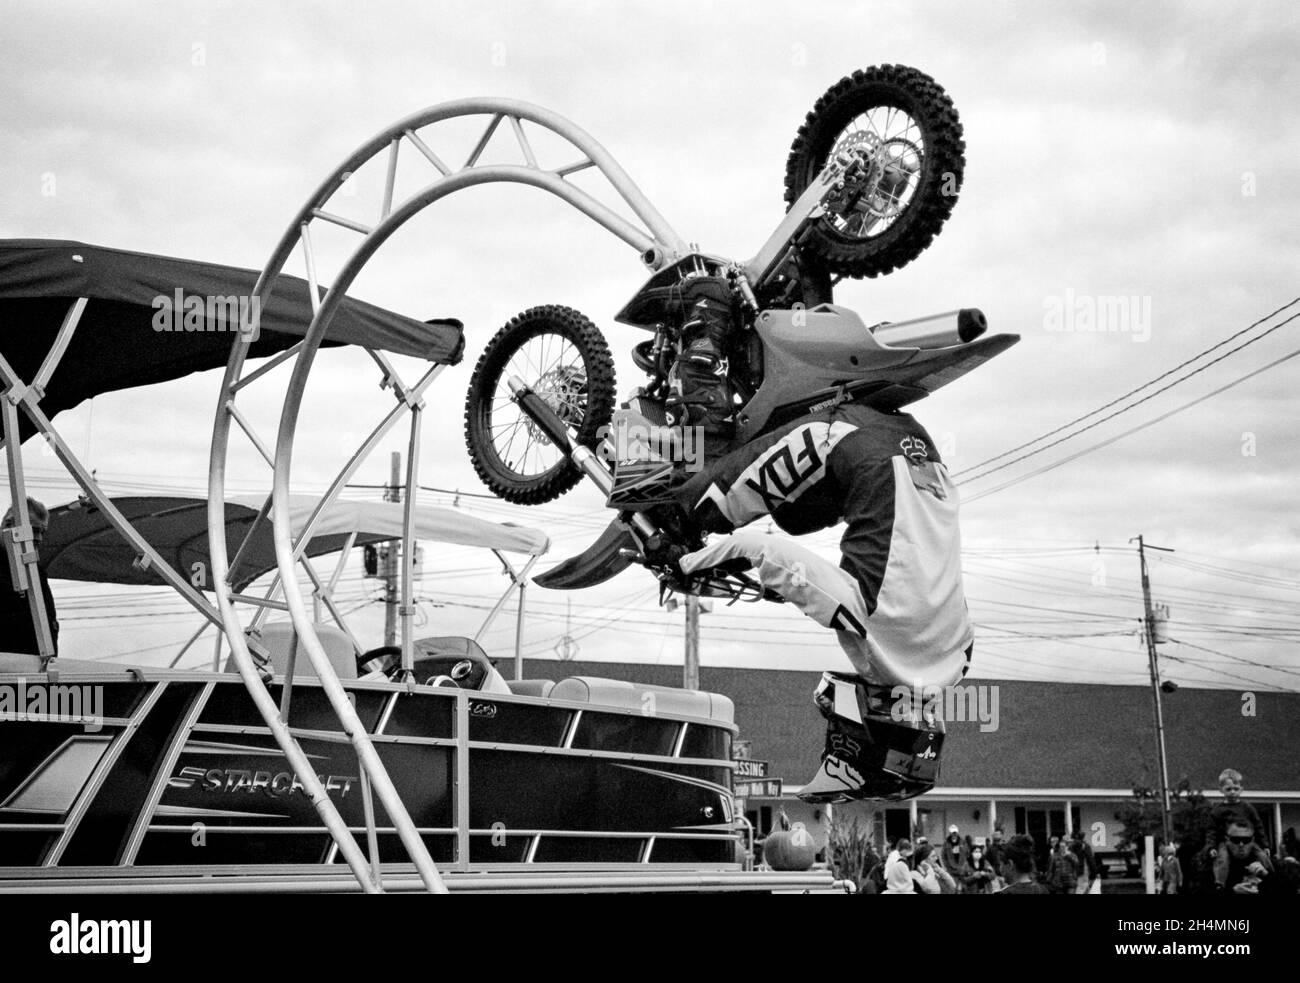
(737, 349)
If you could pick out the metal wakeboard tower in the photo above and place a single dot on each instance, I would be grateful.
(658, 246)
(70, 282)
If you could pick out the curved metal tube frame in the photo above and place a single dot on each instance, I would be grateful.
(658, 246)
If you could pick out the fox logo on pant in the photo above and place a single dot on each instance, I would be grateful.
(834, 777)
(836, 768)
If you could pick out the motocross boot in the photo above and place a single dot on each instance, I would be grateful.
(702, 394)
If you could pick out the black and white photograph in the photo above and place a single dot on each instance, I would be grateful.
(624, 448)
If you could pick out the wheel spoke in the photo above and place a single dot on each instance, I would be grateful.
(892, 127)
(554, 369)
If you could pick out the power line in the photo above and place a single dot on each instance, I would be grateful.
(1073, 588)
(1240, 576)
(1141, 426)
(1224, 559)
(1132, 392)
(1201, 663)
(1237, 658)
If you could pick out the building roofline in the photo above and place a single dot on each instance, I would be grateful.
(1057, 793)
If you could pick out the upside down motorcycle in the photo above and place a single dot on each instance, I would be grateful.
(737, 349)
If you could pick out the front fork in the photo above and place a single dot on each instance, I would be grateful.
(807, 209)
(650, 539)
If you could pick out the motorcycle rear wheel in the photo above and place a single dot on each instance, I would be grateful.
(911, 122)
(563, 358)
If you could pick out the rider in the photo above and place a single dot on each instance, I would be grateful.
(896, 597)
(895, 600)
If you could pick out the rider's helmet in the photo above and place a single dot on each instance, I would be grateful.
(879, 745)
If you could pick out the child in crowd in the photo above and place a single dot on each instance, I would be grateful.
(1233, 809)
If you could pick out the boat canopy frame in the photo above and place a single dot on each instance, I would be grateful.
(18, 541)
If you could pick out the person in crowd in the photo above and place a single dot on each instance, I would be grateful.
(873, 881)
(1290, 846)
(994, 852)
(1043, 859)
(1087, 858)
(955, 855)
(1075, 843)
(1171, 871)
(1250, 870)
(924, 873)
(17, 630)
(1198, 872)
(1062, 872)
(898, 872)
(1018, 867)
(1233, 809)
(980, 873)
(870, 860)
(948, 884)
(1288, 873)
(917, 843)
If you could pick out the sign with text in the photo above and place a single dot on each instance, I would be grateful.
(751, 768)
(768, 788)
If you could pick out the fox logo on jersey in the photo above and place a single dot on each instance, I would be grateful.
(785, 468)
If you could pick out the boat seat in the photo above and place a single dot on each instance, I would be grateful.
(440, 655)
(652, 700)
(277, 638)
(531, 687)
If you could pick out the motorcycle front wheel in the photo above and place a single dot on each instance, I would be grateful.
(911, 128)
(563, 358)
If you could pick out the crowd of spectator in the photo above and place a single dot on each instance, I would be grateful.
(959, 865)
(1233, 856)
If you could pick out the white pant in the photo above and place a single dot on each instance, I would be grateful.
(832, 598)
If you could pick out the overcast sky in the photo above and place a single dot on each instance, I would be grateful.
(1142, 151)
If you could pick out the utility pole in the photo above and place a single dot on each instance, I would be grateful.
(1148, 624)
(691, 672)
(393, 493)
(693, 607)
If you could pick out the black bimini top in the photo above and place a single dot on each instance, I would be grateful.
(117, 343)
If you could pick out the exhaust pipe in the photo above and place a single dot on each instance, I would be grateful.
(937, 331)
(558, 434)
